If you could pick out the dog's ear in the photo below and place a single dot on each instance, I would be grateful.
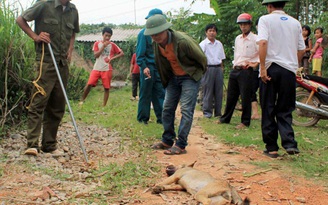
(192, 165)
(170, 170)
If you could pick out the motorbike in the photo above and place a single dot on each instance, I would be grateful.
(311, 99)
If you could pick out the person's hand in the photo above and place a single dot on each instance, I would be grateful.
(310, 59)
(106, 43)
(251, 64)
(146, 72)
(43, 37)
(264, 76)
(107, 60)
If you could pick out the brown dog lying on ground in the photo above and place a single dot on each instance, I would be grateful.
(204, 188)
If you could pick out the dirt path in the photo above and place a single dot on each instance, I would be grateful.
(264, 187)
(24, 184)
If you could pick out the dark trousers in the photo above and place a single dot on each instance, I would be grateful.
(151, 91)
(46, 111)
(240, 83)
(135, 83)
(277, 98)
(256, 85)
(212, 84)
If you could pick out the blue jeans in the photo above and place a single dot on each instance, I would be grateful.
(185, 90)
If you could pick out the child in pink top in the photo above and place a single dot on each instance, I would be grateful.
(317, 52)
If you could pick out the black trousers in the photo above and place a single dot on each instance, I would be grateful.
(277, 98)
(240, 83)
(135, 83)
(256, 85)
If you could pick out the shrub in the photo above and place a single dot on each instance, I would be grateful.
(78, 78)
(17, 58)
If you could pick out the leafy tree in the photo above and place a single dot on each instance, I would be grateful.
(311, 12)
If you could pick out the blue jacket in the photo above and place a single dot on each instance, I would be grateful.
(144, 51)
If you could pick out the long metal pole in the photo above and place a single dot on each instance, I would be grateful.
(67, 102)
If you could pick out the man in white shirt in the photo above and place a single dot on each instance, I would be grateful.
(212, 81)
(240, 78)
(281, 47)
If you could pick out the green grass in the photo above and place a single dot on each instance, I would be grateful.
(120, 116)
(312, 142)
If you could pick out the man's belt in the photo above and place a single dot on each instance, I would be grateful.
(214, 66)
(240, 67)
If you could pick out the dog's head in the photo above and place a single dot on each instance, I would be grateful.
(171, 169)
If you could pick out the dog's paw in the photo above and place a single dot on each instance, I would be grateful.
(157, 190)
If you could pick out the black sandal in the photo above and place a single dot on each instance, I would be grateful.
(160, 146)
(272, 154)
(175, 150)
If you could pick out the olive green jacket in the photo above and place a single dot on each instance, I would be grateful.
(189, 55)
(50, 17)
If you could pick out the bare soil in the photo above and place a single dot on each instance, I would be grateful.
(21, 184)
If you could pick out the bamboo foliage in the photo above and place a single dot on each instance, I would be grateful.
(16, 56)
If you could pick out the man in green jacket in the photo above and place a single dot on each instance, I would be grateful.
(181, 64)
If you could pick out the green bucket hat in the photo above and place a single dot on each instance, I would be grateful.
(272, 1)
(156, 24)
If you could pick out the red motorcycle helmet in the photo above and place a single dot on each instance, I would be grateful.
(244, 18)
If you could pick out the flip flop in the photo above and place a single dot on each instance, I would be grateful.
(160, 146)
(31, 151)
(292, 151)
(175, 150)
(272, 154)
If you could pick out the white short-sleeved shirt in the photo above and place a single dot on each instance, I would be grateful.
(246, 49)
(214, 51)
(284, 36)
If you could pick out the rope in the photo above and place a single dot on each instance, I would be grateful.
(35, 82)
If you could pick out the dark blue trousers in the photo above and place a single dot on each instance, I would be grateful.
(151, 91)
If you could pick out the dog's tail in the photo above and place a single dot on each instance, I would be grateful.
(246, 201)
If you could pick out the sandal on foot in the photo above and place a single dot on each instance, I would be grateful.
(175, 150)
(31, 151)
(160, 146)
(272, 154)
(292, 151)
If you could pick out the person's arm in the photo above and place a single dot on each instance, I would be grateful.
(119, 53)
(42, 37)
(263, 47)
(300, 54)
(310, 45)
(71, 47)
(194, 51)
(141, 54)
(132, 62)
(98, 52)
(313, 50)
(131, 68)
(316, 46)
